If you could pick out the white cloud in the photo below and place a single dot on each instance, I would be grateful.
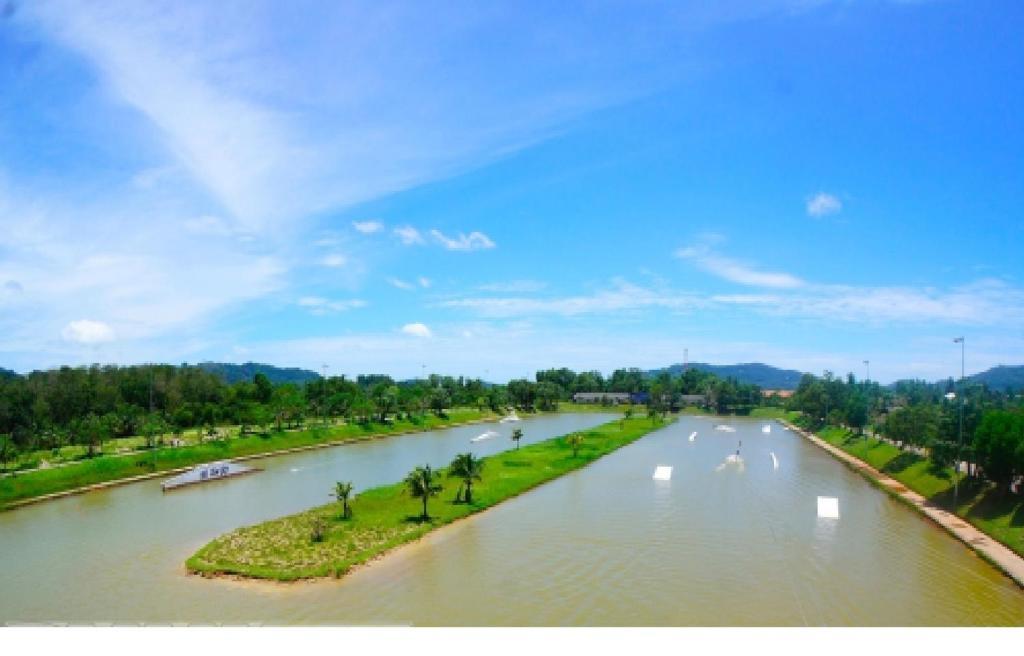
(401, 284)
(334, 261)
(368, 227)
(514, 287)
(982, 303)
(734, 270)
(319, 306)
(208, 225)
(424, 282)
(408, 235)
(822, 204)
(416, 330)
(87, 331)
(275, 131)
(618, 297)
(473, 241)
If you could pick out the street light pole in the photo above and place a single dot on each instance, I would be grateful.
(960, 435)
(867, 366)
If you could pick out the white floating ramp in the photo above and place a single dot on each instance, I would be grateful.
(485, 436)
(767, 428)
(206, 473)
(662, 473)
(828, 507)
(725, 427)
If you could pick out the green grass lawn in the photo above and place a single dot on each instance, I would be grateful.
(996, 512)
(385, 517)
(106, 468)
(774, 413)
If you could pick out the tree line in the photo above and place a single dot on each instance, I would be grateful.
(87, 406)
(926, 418)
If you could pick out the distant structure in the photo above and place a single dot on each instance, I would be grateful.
(782, 394)
(604, 397)
(617, 398)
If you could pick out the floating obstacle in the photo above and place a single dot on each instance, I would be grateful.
(512, 416)
(726, 428)
(206, 473)
(485, 436)
(662, 473)
(828, 508)
(775, 461)
(767, 428)
(693, 436)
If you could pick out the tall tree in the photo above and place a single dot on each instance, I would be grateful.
(422, 484)
(467, 468)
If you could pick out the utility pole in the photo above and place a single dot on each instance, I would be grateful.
(867, 366)
(960, 435)
(323, 394)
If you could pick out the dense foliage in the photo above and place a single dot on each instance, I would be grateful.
(925, 418)
(88, 405)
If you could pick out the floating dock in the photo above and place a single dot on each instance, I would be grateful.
(214, 471)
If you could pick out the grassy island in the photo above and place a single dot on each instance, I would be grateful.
(323, 542)
(105, 469)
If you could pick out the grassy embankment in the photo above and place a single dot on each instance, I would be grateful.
(993, 511)
(108, 468)
(774, 413)
(386, 517)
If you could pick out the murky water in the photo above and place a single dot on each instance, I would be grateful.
(606, 545)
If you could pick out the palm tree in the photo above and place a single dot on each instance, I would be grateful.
(342, 491)
(468, 468)
(422, 484)
(517, 435)
(575, 441)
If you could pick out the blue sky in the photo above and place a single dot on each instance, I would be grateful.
(490, 189)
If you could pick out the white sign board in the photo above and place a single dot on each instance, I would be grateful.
(828, 507)
(662, 473)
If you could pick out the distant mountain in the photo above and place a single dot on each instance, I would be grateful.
(234, 373)
(1001, 377)
(7, 373)
(752, 373)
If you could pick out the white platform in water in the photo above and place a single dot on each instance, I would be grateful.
(484, 436)
(511, 417)
(767, 428)
(693, 436)
(662, 473)
(727, 429)
(828, 507)
(209, 472)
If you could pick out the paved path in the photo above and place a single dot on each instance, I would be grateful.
(995, 552)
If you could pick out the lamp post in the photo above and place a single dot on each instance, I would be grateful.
(867, 367)
(960, 435)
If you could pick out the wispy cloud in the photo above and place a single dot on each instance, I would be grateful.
(401, 284)
(620, 296)
(274, 131)
(408, 235)
(514, 286)
(474, 241)
(334, 261)
(368, 227)
(982, 303)
(319, 306)
(705, 258)
(822, 204)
